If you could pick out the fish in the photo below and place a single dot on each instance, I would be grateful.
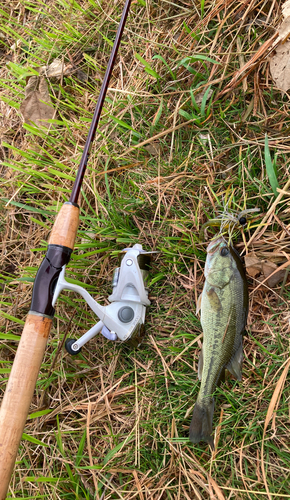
(223, 304)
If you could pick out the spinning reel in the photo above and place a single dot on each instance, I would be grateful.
(124, 318)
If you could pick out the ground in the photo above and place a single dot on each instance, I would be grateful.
(184, 133)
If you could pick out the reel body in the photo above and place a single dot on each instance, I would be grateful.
(124, 318)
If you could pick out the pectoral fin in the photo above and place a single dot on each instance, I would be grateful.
(200, 365)
(214, 300)
(235, 364)
(198, 304)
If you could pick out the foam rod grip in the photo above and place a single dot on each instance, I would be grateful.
(65, 227)
(19, 393)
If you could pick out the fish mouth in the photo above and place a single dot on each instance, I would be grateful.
(215, 245)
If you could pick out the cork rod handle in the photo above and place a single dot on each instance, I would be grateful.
(19, 392)
(22, 380)
(65, 227)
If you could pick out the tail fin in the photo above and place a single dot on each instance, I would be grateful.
(201, 423)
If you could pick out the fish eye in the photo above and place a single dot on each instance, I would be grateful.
(224, 251)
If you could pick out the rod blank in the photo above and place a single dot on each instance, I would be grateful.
(95, 121)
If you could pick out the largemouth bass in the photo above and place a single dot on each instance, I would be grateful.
(224, 309)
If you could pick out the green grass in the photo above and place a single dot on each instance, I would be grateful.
(134, 443)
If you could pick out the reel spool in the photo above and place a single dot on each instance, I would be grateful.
(124, 318)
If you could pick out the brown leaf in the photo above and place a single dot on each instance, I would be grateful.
(269, 268)
(253, 265)
(286, 9)
(81, 75)
(284, 29)
(199, 97)
(36, 107)
(56, 69)
(153, 148)
(280, 64)
(263, 268)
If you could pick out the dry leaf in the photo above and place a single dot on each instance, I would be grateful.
(279, 62)
(56, 69)
(262, 269)
(81, 75)
(280, 66)
(284, 30)
(36, 107)
(15, 45)
(203, 138)
(153, 148)
(253, 265)
(269, 268)
(286, 9)
(199, 97)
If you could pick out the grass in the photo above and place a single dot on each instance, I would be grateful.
(178, 138)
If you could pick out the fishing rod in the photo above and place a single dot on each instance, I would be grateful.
(123, 319)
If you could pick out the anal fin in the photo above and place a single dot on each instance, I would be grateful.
(221, 378)
(235, 364)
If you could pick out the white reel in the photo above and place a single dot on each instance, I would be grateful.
(124, 318)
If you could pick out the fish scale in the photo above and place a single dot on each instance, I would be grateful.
(224, 308)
